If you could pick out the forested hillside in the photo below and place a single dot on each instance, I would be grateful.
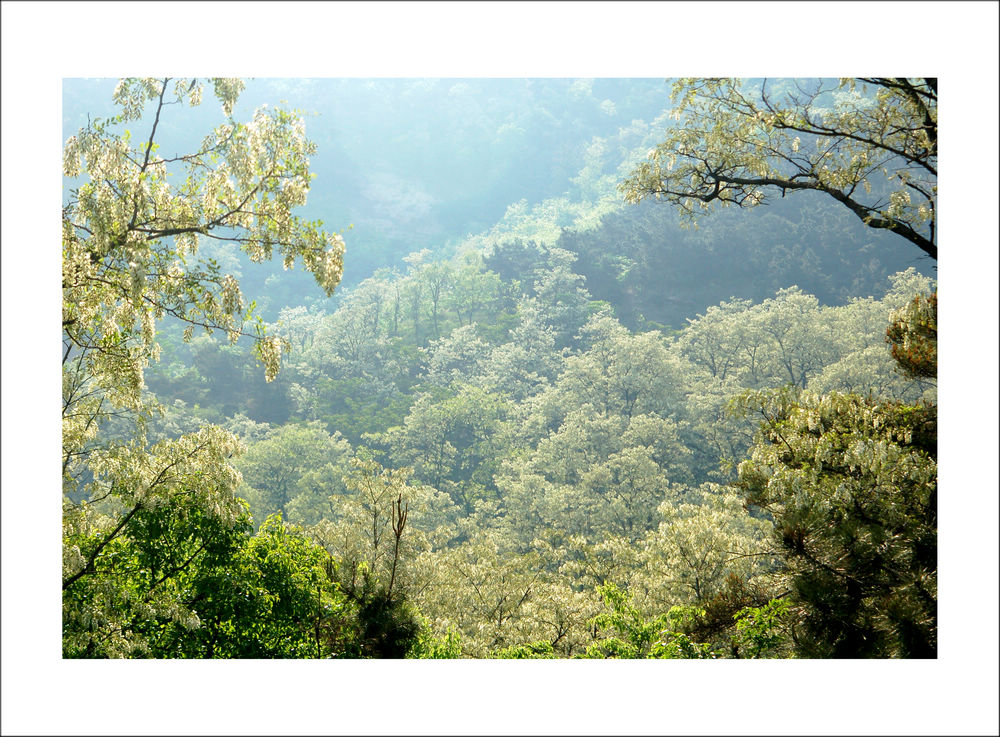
(521, 409)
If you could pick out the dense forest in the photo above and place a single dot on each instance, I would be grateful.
(461, 368)
(568, 426)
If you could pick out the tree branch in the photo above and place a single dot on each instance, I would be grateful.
(864, 213)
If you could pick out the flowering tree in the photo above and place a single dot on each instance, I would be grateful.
(131, 230)
(737, 144)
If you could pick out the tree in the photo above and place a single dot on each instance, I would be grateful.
(913, 336)
(594, 476)
(121, 562)
(714, 341)
(851, 482)
(439, 277)
(296, 467)
(483, 589)
(183, 584)
(350, 342)
(852, 485)
(516, 259)
(129, 231)
(635, 636)
(454, 443)
(621, 373)
(562, 300)
(274, 597)
(474, 289)
(869, 143)
(791, 339)
(797, 341)
(699, 545)
(457, 357)
(130, 234)
(524, 365)
(372, 535)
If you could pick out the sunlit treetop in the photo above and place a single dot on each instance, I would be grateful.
(131, 230)
(869, 143)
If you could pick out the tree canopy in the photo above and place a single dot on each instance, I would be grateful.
(130, 236)
(474, 457)
(869, 143)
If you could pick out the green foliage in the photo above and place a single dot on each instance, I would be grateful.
(294, 470)
(637, 637)
(186, 587)
(674, 642)
(852, 485)
(342, 406)
(737, 593)
(429, 646)
(758, 629)
(131, 493)
(453, 443)
(284, 605)
(389, 626)
(531, 651)
(131, 588)
(516, 259)
(370, 533)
